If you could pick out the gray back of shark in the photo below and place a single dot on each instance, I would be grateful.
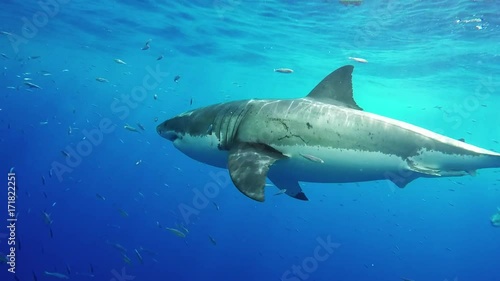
(324, 137)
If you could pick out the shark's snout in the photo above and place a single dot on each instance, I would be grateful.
(165, 132)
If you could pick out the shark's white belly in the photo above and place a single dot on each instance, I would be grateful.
(323, 164)
(203, 149)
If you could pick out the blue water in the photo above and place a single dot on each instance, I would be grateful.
(435, 65)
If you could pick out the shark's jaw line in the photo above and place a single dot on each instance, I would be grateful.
(324, 137)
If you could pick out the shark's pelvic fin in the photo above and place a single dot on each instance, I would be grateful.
(248, 166)
(292, 187)
(336, 88)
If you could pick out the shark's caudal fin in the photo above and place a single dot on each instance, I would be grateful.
(336, 88)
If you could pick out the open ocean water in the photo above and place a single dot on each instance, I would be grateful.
(102, 212)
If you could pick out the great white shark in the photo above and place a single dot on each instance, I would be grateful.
(324, 137)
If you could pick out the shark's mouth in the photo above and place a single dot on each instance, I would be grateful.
(169, 135)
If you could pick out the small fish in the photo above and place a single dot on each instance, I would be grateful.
(65, 153)
(102, 80)
(43, 180)
(176, 232)
(281, 192)
(361, 60)
(283, 70)
(119, 61)
(44, 122)
(50, 173)
(216, 206)
(123, 213)
(47, 219)
(139, 257)
(6, 33)
(185, 230)
(100, 196)
(34, 275)
(65, 70)
(146, 45)
(130, 128)
(177, 78)
(191, 101)
(32, 85)
(70, 130)
(495, 219)
(27, 79)
(140, 126)
(312, 158)
(33, 57)
(56, 274)
(5, 56)
(91, 269)
(51, 233)
(212, 240)
(155, 96)
(156, 119)
(126, 259)
(117, 246)
(53, 204)
(160, 57)
(138, 162)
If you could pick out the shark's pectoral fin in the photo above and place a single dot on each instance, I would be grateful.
(291, 186)
(248, 165)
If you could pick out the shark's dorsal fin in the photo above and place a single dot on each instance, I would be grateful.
(336, 88)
